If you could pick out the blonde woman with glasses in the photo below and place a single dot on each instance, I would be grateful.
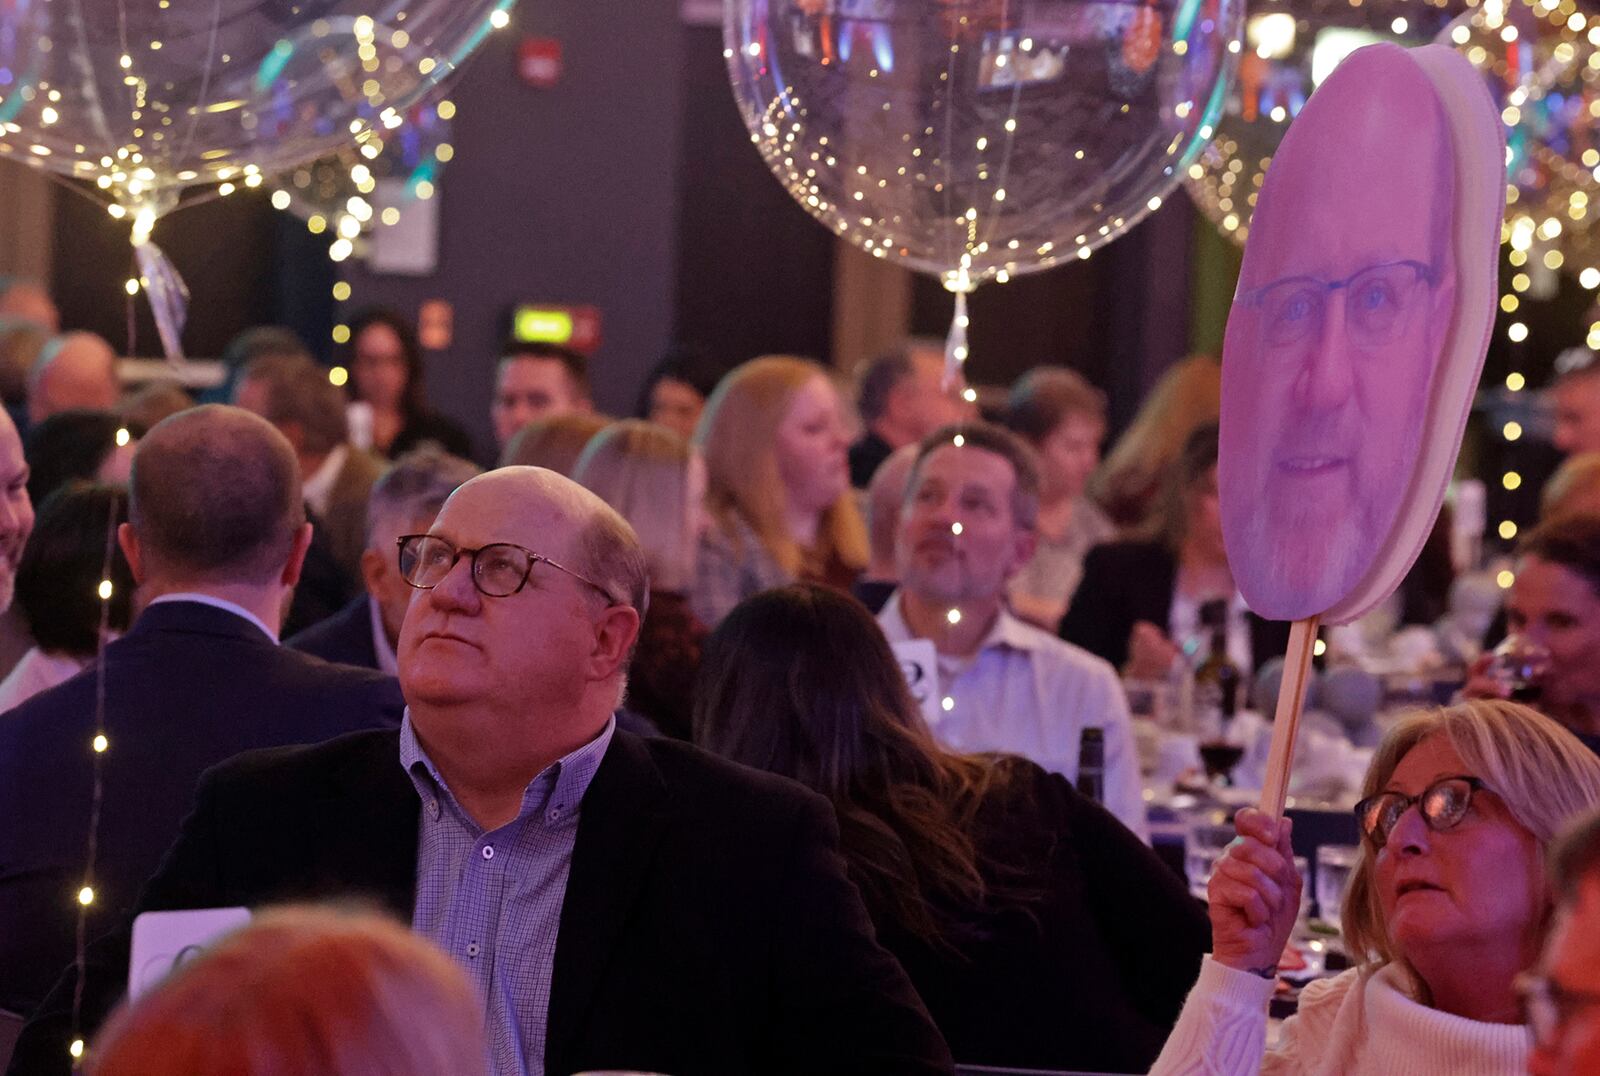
(1445, 908)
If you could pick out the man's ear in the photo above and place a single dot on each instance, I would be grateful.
(1027, 541)
(297, 556)
(128, 539)
(615, 634)
(374, 569)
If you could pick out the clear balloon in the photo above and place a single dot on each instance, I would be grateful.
(146, 97)
(367, 184)
(1290, 47)
(1542, 64)
(979, 139)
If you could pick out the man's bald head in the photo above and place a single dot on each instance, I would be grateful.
(215, 497)
(603, 546)
(75, 371)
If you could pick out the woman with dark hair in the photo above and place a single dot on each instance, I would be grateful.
(386, 375)
(1140, 599)
(79, 446)
(59, 587)
(1038, 930)
(1554, 603)
(676, 391)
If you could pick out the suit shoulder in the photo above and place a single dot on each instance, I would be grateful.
(329, 676)
(313, 764)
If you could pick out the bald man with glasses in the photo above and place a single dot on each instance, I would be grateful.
(620, 903)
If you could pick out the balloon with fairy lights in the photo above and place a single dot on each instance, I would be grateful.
(980, 139)
(1541, 61)
(145, 100)
(368, 183)
(1290, 47)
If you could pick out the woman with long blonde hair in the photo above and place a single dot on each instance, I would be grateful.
(778, 485)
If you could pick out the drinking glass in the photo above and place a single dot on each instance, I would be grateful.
(1335, 863)
(1520, 664)
(1203, 845)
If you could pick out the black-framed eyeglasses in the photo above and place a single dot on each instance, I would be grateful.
(1443, 805)
(1547, 1006)
(1377, 305)
(499, 569)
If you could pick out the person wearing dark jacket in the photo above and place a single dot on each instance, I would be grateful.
(1040, 932)
(198, 677)
(1139, 601)
(619, 903)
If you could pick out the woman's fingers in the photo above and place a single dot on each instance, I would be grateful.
(1247, 899)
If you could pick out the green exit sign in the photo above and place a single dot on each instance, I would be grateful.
(576, 327)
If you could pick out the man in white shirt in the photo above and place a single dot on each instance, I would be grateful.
(966, 528)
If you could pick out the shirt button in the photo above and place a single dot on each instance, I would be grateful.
(488, 851)
(433, 808)
(472, 948)
(553, 816)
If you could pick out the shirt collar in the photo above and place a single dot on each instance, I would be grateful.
(387, 662)
(317, 489)
(1008, 631)
(564, 782)
(218, 603)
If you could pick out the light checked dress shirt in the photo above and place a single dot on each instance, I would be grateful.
(492, 900)
(1028, 693)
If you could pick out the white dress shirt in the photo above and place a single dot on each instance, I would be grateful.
(218, 603)
(387, 661)
(1028, 693)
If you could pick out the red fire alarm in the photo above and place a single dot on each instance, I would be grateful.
(539, 62)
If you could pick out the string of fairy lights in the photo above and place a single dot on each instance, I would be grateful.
(126, 177)
(99, 745)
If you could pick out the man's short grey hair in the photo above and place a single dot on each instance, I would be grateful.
(417, 485)
(610, 554)
(1003, 443)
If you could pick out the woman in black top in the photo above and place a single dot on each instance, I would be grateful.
(386, 374)
(1038, 930)
(1123, 609)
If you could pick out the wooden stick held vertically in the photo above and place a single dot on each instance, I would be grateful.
(1286, 723)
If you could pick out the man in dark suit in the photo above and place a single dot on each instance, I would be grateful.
(620, 903)
(216, 538)
(404, 501)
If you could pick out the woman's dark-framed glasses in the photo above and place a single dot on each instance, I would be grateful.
(1377, 304)
(499, 569)
(1443, 805)
(1548, 1006)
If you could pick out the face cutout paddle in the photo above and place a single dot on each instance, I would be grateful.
(1357, 337)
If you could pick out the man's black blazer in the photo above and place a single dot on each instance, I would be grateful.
(187, 687)
(345, 637)
(1126, 582)
(708, 925)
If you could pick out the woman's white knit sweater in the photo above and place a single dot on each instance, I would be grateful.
(1356, 1024)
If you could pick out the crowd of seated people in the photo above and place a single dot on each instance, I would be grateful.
(623, 731)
